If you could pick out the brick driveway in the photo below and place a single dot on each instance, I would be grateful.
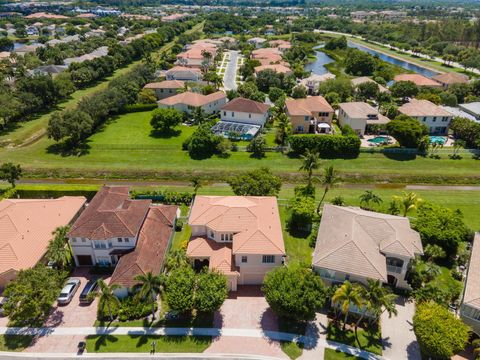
(71, 315)
(246, 309)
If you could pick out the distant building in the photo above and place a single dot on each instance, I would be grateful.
(433, 116)
(49, 70)
(189, 101)
(451, 78)
(184, 74)
(359, 116)
(417, 79)
(310, 115)
(257, 42)
(364, 79)
(165, 89)
(472, 109)
(312, 83)
(278, 68)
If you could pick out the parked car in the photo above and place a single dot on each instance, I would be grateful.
(3, 300)
(70, 288)
(86, 296)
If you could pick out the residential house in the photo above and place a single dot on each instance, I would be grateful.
(195, 57)
(240, 236)
(27, 49)
(310, 115)
(360, 116)
(49, 70)
(471, 108)
(312, 83)
(241, 110)
(278, 68)
(281, 45)
(267, 55)
(116, 230)
(418, 80)
(184, 74)
(433, 116)
(450, 78)
(257, 42)
(356, 245)
(26, 227)
(165, 89)
(470, 308)
(189, 101)
(364, 79)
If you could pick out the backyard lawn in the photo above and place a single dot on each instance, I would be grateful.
(142, 343)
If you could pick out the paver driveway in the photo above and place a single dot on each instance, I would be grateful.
(71, 315)
(246, 309)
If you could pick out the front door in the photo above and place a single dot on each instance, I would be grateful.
(84, 260)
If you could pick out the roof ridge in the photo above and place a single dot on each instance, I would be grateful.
(368, 258)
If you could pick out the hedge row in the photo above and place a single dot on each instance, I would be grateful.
(328, 146)
(130, 108)
(166, 197)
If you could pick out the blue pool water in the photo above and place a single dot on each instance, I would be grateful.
(437, 139)
(379, 140)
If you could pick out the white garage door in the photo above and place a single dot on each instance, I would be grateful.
(253, 279)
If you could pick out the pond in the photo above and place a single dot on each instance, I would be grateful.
(392, 60)
(317, 67)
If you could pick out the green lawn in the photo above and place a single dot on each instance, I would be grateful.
(14, 342)
(296, 243)
(337, 355)
(292, 349)
(367, 340)
(142, 343)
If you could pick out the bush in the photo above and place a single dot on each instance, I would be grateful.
(302, 212)
(407, 131)
(131, 108)
(165, 196)
(332, 146)
(179, 225)
(132, 308)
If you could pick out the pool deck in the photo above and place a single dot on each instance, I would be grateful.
(368, 144)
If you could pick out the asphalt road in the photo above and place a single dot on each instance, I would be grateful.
(229, 79)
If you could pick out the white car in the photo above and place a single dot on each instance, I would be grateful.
(70, 288)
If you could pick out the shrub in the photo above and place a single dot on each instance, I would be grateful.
(132, 308)
(302, 212)
(130, 108)
(165, 196)
(332, 146)
(179, 225)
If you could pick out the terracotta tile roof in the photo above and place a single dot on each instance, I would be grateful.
(44, 15)
(221, 256)
(451, 78)
(354, 241)
(246, 105)
(422, 108)
(305, 107)
(417, 79)
(471, 295)
(279, 43)
(278, 68)
(193, 99)
(151, 246)
(26, 227)
(167, 84)
(183, 68)
(255, 221)
(111, 213)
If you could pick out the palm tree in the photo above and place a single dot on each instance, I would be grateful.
(175, 259)
(311, 161)
(284, 128)
(408, 201)
(107, 297)
(329, 180)
(58, 250)
(345, 296)
(380, 299)
(149, 286)
(196, 184)
(369, 197)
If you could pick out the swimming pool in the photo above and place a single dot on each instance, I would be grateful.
(379, 140)
(437, 140)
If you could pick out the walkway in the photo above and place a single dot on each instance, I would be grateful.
(230, 77)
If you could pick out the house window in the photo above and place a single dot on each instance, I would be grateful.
(222, 237)
(424, 119)
(306, 118)
(103, 261)
(268, 259)
(212, 234)
(434, 119)
(100, 244)
(244, 259)
(327, 274)
(233, 114)
(119, 239)
(249, 116)
(161, 90)
(231, 237)
(74, 240)
(127, 240)
(300, 128)
(84, 240)
(224, 113)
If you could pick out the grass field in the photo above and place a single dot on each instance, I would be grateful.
(126, 148)
(367, 340)
(337, 355)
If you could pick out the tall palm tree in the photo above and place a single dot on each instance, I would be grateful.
(369, 197)
(311, 161)
(58, 250)
(379, 299)
(284, 128)
(329, 180)
(196, 184)
(106, 297)
(345, 296)
(148, 287)
(408, 202)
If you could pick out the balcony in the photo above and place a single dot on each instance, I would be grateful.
(394, 269)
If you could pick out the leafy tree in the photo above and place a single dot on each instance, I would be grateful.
(329, 180)
(58, 250)
(257, 146)
(439, 333)
(73, 125)
(359, 63)
(467, 130)
(283, 129)
(311, 161)
(333, 99)
(10, 172)
(211, 291)
(345, 296)
(408, 202)
(6, 44)
(107, 298)
(299, 92)
(250, 91)
(202, 143)
(404, 89)
(433, 252)
(267, 79)
(379, 299)
(338, 200)
(275, 93)
(146, 96)
(302, 212)
(294, 292)
(176, 259)
(336, 43)
(407, 131)
(10, 108)
(164, 120)
(258, 182)
(196, 184)
(341, 86)
(148, 287)
(367, 90)
(180, 289)
(369, 197)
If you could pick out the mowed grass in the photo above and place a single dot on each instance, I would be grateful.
(142, 343)
(126, 147)
(331, 354)
(367, 340)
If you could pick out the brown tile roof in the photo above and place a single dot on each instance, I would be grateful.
(167, 84)
(422, 108)
(26, 227)
(44, 15)
(193, 99)
(417, 79)
(111, 213)
(451, 78)
(221, 256)
(246, 105)
(151, 246)
(471, 295)
(255, 221)
(354, 241)
(278, 68)
(305, 107)
(183, 68)
(362, 110)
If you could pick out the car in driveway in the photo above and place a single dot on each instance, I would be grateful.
(68, 291)
(86, 296)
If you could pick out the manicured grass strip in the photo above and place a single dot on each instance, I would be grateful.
(367, 340)
(292, 349)
(142, 343)
(14, 342)
(337, 355)
(296, 243)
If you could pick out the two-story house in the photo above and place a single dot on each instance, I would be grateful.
(189, 101)
(436, 118)
(310, 115)
(240, 236)
(470, 308)
(360, 116)
(165, 89)
(245, 111)
(356, 245)
(183, 73)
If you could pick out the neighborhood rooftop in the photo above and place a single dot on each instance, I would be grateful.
(246, 105)
(307, 106)
(422, 108)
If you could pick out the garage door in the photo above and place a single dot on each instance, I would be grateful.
(84, 260)
(253, 279)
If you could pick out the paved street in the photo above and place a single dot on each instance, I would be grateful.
(229, 79)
